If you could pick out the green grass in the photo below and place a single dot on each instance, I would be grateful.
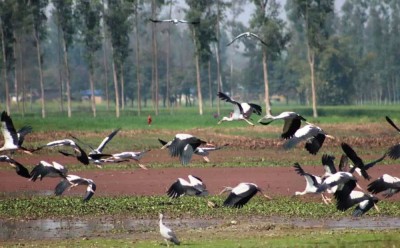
(184, 118)
(185, 207)
(268, 238)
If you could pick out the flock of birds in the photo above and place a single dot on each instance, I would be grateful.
(340, 182)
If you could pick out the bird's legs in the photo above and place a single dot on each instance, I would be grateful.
(142, 166)
(326, 200)
(166, 240)
(206, 159)
(248, 122)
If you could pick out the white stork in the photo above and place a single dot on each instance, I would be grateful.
(312, 183)
(12, 139)
(386, 183)
(247, 35)
(241, 194)
(19, 168)
(394, 151)
(167, 233)
(183, 146)
(44, 169)
(126, 156)
(358, 162)
(313, 135)
(174, 21)
(71, 181)
(195, 187)
(291, 125)
(203, 151)
(241, 111)
(81, 154)
(347, 197)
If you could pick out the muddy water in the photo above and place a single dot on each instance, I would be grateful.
(102, 227)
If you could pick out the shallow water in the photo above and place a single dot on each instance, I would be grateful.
(75, 228)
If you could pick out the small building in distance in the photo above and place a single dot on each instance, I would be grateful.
(87, 94)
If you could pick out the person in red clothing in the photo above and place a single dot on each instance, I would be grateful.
(149, 120)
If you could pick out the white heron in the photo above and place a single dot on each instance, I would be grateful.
(12, 139)
(72, 181)
(44, 169)
(195, 187)
(174, 21)
(19, 168)
(387, 184)
(292, 122)
(81, 154)
(313, 135)
(241, 194)
(247, 35)
(167, 233)
(241, 111)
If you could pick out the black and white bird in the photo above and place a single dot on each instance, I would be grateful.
(183, 146)
(241, 111)
(174, 21)
(394, 151)
(12, 139)
(19, 168)
(102, 145)
(292, 122)
(312, 183)
(181, 187)
(72, 181)
(346, 197)
(337, 179)
(358, 162)
(126, 156)
(203, 151)
(241, 194)
(312, 134)
(167, 233)
(45, 169)
(80, 153)
(387, 184)
(247, 35)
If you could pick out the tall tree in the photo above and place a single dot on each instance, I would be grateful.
(64, 12)
(272, 31)
(314, 15)
(203, 34)
(90, 15)
(38, 8)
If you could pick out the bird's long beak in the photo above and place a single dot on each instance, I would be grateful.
(330, 137)
(224, 190)
(359, 187)
(206, 159)
(142, 166)
(165, 146)
(376, 207)
(268, 197)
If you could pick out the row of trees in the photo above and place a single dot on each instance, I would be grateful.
(314, 54)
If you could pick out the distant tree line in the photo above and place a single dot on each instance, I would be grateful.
(313, 54)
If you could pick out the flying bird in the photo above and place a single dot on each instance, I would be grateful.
(183, 146)
(44, 169)
(174, 21)
(292, 122)
(203, 151)
(394, 151)
(386, 183)
(195, 187)
(167, 233)
(346, 197)
(241, 194)
(126, 156)
(12, 140)
(241, 111)
(313, 135)
(337, 179)
(80, 153)
(19, 168)
(102, 145)
(358, 162)
(72, 181)
(312, 183)
(247, 35)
